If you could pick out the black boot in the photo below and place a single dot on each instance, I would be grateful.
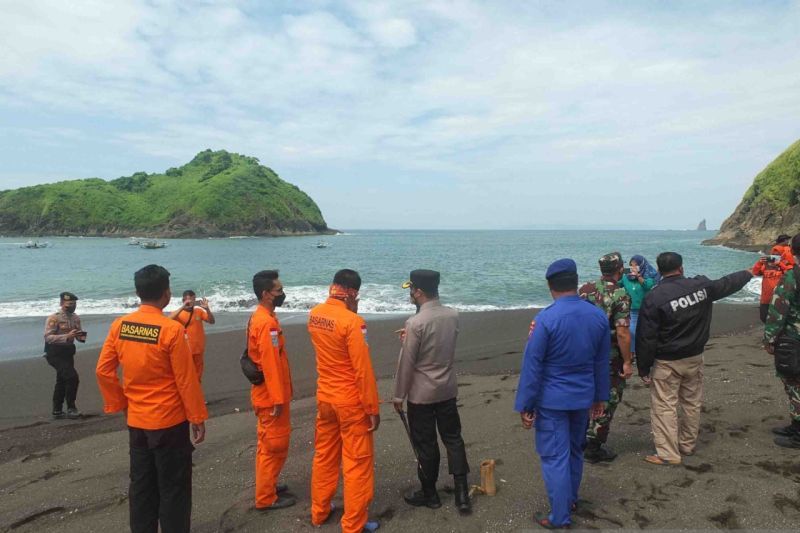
(463, 503)
(425, 497)
(595, 452)
(788, 431)
(788, 442)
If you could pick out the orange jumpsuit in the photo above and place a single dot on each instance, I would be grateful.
(772, 272)
(346, 394)
(196, 333)
(267, 348)
(159, 386)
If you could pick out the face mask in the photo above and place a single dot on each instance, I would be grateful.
(70, 309)
(278, 301)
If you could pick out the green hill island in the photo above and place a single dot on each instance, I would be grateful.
(217, 194)
(770, 206)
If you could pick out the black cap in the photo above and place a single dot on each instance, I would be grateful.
(427, 280)
(782, 238)
(68, 297)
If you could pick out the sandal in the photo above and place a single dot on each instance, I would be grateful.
(543, 520)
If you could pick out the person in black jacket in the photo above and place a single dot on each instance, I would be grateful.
(673, 329)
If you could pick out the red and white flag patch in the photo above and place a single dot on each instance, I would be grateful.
(274, 334)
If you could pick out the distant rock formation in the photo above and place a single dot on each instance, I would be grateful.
(702, 226)
(770, 206)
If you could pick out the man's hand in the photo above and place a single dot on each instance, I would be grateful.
(401, 334)
(598, 410)
(527, 419)
(204, 303)
(277, 409)
(770, 348)
(627, 370)
(198, 433)
(374, 422)
(398, 405)
(72, 334)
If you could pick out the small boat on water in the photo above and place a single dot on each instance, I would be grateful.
(134, 242)
(322, 244)
(153, 245)
(35, 245)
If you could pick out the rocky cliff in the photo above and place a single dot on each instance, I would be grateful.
(770, 206)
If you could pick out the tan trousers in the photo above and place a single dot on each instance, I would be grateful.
(676, 384)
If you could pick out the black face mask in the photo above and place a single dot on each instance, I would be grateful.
(70, 308)
(278, 301)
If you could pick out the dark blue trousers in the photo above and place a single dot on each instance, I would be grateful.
(560, 439)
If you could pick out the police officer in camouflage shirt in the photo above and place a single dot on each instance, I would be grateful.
(606, 294)
(783, 318)
(61, 330)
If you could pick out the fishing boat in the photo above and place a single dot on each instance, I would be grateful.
(35, 245)
(322, 244)
(153, 245)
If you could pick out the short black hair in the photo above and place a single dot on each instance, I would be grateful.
(151, 282)
(349, 279)
(669, 262)
(431, 293)
(264, 281)
(188, 292)
(563, 282)
(796, 244)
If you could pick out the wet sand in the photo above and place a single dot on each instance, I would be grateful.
(72, 475)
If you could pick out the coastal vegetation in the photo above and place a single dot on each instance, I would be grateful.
(216, 194)
(770, 206)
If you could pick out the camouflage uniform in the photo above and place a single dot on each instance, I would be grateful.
(783, 316)
(611, 298)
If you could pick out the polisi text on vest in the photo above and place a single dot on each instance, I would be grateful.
(689, 300)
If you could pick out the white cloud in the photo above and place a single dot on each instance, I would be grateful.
(467, 89)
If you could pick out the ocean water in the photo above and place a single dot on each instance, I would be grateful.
(481, 270)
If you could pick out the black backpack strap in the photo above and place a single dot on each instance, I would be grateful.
(189, 320)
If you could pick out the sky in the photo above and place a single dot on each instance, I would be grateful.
(414, 114)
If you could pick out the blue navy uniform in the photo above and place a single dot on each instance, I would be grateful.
(565, 370)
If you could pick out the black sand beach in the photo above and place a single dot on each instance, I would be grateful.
(72, 476)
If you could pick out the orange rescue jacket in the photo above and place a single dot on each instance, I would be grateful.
(194, 330)
(159, 385)
(267, 348)
(344, 366)
(773, 271)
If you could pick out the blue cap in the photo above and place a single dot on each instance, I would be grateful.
(562, 266)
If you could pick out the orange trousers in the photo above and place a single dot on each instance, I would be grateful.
(271, 452)
(342, 441)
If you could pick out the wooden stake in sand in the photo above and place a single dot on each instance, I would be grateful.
(487, 485)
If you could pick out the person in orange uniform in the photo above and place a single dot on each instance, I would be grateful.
(267, 348)
(347, 407)
(772, 269)
(192, 315)
(163, 401)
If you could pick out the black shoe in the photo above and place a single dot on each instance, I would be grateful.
(59, 415)
(423, 498)
(281, 503)
(280, 488)
(787, 431)
(788, 442)
(463, 504)
(596, 452)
